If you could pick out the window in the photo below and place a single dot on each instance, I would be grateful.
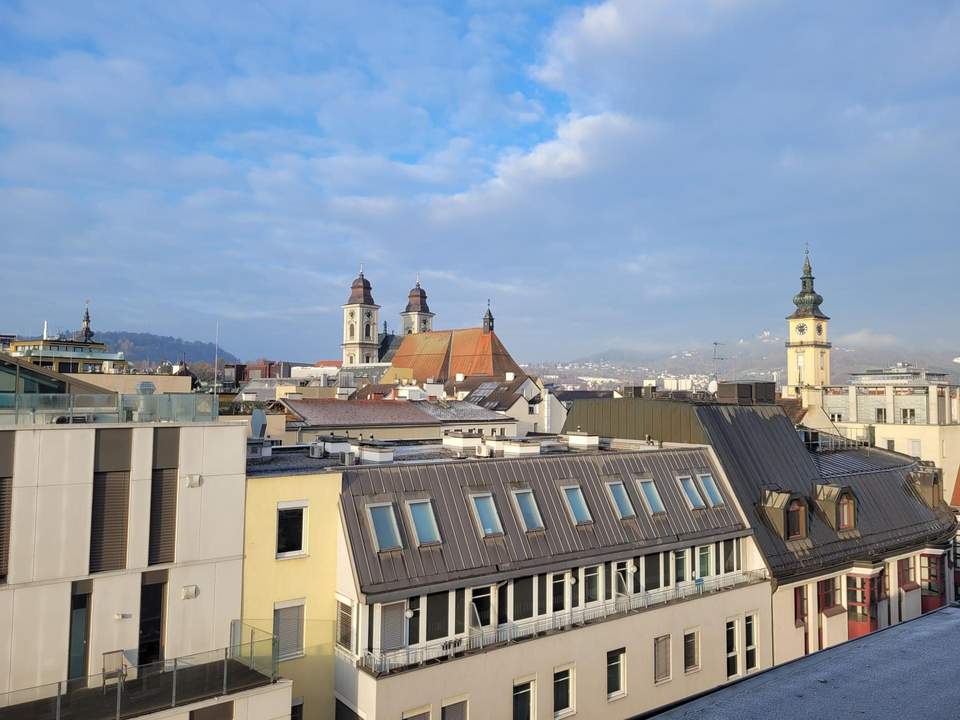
(290, 529)
(828, 594)
(621, 576)
(729, 559)
(795, 512)
(562, 692)
(424, 522)
(616, 672)
(345, 625)
(438, 615)
(750, 642)
(486, 513)
(384, 523)
(591, 584)
(459, 610)
(523, 598)
(651, 497)
(680, 565)
(733, 657)
(800, 605)
(915, 448)
(220, 711)
(836, 417)
(529, 512)
(296, 710)
(288, 629)
(714, 498)
(703, 561)
(480, 607)
(577, 505)
(692, 493)
(523, 700)
(930, 572)
(661, 659)
(908, 416)
(691, 651)
(881, 415)
(651, 571)
(366, 331)
(847, 512)
(621, 501)
(454, 711)
(891, 445)
(413, 620)
(108, 519)
(905, 572)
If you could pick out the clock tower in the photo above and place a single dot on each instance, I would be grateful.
(417, 318)
(808, 348)
(361, 338)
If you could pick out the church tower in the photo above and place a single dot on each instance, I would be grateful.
(416, 318)
(808, 351)
(361, 338)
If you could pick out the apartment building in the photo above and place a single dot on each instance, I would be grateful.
(598, 583)
(121, 564)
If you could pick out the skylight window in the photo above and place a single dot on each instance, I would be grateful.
(692, 492)
(384, 523)
(651, 497)
(621, 500)
(714, 498)
(424, 522)
(577, 505)
(529, 512)
(486, 512)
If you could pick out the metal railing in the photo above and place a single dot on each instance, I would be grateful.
(64, 408)
(131, 691)
(479, 638)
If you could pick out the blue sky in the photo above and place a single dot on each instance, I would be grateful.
(634, 174)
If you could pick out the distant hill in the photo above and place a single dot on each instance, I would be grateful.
(153, 349)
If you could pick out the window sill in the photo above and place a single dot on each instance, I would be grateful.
(564, 714)
(657, 683)
(692, 671)
(291, 555)
(909, 587)
(293, 656)
(834, 611)
(616, 696)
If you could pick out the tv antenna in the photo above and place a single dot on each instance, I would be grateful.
(717, 359)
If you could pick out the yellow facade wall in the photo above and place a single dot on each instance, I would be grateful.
(268, 580)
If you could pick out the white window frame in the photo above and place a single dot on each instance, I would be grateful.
(754, 619)
(695, 631)
(304, 550)
(735, 653)
(686, 495)
(583, 584)
(532, 679)
(433, 519)
(536, 508)
(613, 500)
(566, 501)
(297, 602)
(698, 570)
(622, 692)
(646, 502)
(416, 712)
(476, 514)
(447, 702)
(373, 527)
(669, 677)
(706, 493)
(572, 709)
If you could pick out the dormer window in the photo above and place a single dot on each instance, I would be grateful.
(796, 520)
(847, 512)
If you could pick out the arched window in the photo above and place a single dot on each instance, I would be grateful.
(848, 509)
(795, 520)
(366, 331)
(351, 331)
(350, 360)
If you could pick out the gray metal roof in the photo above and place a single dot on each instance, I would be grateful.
(460, 411)
(760, 449)
(464, 556)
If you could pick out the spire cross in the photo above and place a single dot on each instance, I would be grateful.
(361, 268)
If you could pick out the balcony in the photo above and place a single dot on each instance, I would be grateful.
(134, 691)
(70, 409)
(479, 639)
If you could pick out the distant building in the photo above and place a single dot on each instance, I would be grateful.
(808, 348)
(524, 398)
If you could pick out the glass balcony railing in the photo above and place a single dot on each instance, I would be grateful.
(66, 409)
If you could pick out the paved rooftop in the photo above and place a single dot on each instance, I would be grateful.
(905, 672)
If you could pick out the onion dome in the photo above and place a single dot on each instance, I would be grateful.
(417, 300)
(361, 291)
(808, 300)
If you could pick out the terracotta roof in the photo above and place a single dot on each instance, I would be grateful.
(347, 413)
(441, 354)
(793, 409)
(373, 391)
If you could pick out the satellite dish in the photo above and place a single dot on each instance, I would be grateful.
(712, 387)
(258, 421)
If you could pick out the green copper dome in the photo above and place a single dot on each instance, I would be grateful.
(807, 300)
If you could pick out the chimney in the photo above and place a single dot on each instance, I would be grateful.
(510, 377)
(459, 377)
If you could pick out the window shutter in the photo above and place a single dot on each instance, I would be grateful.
(108, 522)
(6, 495)
(391, 625)
(288, 628)
(661, 653)
(344, 625)
(163, 516)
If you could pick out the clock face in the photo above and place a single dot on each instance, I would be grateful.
(802, 329)
(819, 328)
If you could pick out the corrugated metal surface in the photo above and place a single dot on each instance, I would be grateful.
(6, 453)
(758, 446)
(635, 418)
(112, 450)
(6, 495)
(108, 522)
(349, 413)
(464, 554)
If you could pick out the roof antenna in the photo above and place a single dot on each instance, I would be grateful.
(418, 279)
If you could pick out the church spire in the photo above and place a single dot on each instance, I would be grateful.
(488, 320)
(808, 300)
(86, 334)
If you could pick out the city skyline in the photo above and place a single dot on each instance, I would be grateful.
(605, 174)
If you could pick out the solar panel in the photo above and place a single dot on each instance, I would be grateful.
(483, 390)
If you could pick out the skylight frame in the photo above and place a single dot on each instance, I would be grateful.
(694, 499)
(707, 495)
(583, 501)
(393, 524)
(421, 542)
(474, 497)
(643, 482)
(515, 494)
(616, 503)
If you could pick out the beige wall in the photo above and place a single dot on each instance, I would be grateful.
(486, 679)
(127, 384)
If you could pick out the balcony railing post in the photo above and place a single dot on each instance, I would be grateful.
(173, 696)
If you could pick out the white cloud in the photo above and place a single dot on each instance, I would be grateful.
(867, 338)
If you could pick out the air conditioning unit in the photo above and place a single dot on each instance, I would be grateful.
(316, 451)
(348, 458)
(484, 451)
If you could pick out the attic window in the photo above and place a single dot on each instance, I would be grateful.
(713, 496)
(847, 512)
(692, 493)
(796, 520)
(486, 514)
(424, 522)
(621, 500)
(383, 521)
(529, 512)
(577, 505)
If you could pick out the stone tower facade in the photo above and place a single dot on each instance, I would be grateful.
(808, 346)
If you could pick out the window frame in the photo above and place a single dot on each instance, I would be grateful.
(697, 665)
(616, 505)
(847, 500)
(433, 519)
(621, 661)
(304, 507)
(301, 645)
(569, 505)
(750, 624)
(685, 491)
(476, 514)
(657, 642)
(515, 496)
(706, 494)
(599, 576)
(531, 682)
(730, 628)
(370, 507)
(646, 500)
(796, 505)
(341, 601)
(571, 708)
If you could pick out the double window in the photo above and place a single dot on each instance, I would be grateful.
(905, 571)
(577, 505)
(529, 512)
(486, 514)
(828, 594)
(291, 528)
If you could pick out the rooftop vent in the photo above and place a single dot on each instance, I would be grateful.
(928, 482)
(582, 441)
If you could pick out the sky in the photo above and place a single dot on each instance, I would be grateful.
(636, 174)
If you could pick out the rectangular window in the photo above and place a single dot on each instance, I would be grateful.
(523, 598)
(562, 692)
(424, 522)
(828, 594)
(680, 565)
(710, 489)
(616, 672)
(384, 523)
(703, 561)
(692, 493)
(651, 497)
(733, 656)
(6, 496)
(459, 608)
(523, 701)
(661, 659)
(163, 516)
(503, 615)
(454, 711)
(908, 416)
(691, 651)
(290, 527)
(345, 625)
(750, 642)
(651, 571)
(559, 584)
(881, 415)
(608, 581)
(288, 628)
(930, 581)
(438, 615)
(108, 520)
(729, 562)
(800, 605)
(591, 584)
(621, 501)
(905, 571)
(542, 594)
(480, 607)
(486, 514)
(577, 505)
(529, 512)
(413, 620)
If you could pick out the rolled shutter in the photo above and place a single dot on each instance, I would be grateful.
(163, 516)
(391, 626)
(6, 493)
(661, 658)
(108, 522)
(288, 628)
(344, 625)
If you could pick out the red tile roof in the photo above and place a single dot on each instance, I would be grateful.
(442, 354)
